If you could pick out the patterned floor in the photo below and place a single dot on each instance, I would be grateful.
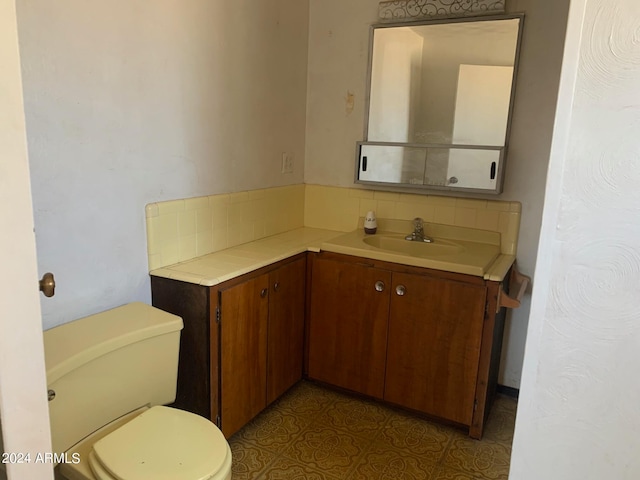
(312, 433)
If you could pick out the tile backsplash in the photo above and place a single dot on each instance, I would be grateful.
(337, 208)
(179, 230)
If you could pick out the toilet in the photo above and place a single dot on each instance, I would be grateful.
(109, 376)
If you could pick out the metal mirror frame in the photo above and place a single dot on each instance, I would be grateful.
(438, 189)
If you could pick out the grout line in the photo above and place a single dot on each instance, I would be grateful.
(440, 462)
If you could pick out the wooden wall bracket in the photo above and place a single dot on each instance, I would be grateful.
(517, 285)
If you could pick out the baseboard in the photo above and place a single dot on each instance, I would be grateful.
(508, 391)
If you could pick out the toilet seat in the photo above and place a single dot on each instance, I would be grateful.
(162, 443)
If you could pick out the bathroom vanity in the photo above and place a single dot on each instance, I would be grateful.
(422, 338)
(242, 344)
(418, 338)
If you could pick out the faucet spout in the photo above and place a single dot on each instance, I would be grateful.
(418, 225)
(418, 232)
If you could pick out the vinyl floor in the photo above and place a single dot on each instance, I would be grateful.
(313, 433)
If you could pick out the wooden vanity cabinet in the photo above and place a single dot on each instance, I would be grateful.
(422, 339)
(242, 343)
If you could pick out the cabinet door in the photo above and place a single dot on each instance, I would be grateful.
(286, 328)
(243, 344)
(348, 325)
(435, 328)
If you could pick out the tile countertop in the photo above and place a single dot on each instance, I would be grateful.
(218, 267)
(224, 265)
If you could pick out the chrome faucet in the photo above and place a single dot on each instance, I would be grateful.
(418, 233)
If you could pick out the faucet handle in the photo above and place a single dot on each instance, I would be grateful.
(417, 222)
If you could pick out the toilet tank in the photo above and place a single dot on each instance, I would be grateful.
(106, 365)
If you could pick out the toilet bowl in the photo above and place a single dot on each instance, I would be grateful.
(159, 443)
(109, 376)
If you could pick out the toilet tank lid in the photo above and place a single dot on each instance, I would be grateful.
(68, 346)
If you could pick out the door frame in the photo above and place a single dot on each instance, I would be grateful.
(24, 412)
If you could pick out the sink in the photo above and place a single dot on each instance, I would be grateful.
(398, 244)
(454, 249)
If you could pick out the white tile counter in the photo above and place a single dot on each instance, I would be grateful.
(224, 265)
(218, 267)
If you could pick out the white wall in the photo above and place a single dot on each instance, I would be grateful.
(23, 402)
(130, 102)
(338, 42)
(397, 58)
(338, 57)
(529, 146)
(447, 47)
(578, 415)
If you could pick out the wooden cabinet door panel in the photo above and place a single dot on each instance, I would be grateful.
(435, 330)
(286, 328)
(243, 342)
(348, 326)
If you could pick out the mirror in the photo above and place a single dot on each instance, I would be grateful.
(439, 104)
